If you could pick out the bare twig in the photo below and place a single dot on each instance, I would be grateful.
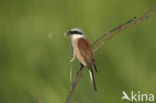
(124, 26)
(39, 95)
(116, 30)
(74, 85)
(112, 30)
(70, 79)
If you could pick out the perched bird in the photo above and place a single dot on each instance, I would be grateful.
(83, 52)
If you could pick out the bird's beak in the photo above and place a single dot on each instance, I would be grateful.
(68, 33)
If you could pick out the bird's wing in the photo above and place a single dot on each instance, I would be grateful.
(85, 51)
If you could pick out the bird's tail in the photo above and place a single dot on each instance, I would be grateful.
(92, 77)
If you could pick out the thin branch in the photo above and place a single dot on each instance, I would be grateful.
(112, 30)
(123, 27)
(74, 85)
(116, 30)
(39, 95)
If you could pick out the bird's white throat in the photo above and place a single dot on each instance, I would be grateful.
(74, 37)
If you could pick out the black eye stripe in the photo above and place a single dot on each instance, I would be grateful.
(75, 32)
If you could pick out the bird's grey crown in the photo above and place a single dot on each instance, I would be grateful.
(76, 31)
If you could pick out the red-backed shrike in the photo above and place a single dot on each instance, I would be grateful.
(83, 52)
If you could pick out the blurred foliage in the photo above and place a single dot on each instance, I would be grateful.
(30, 60)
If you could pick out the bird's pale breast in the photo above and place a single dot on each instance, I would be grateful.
(77, 52)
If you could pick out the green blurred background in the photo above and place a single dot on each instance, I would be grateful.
(35, 54)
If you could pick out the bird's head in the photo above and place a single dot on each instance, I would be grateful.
(76, 33)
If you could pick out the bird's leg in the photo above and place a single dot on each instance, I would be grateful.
(80, 70)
